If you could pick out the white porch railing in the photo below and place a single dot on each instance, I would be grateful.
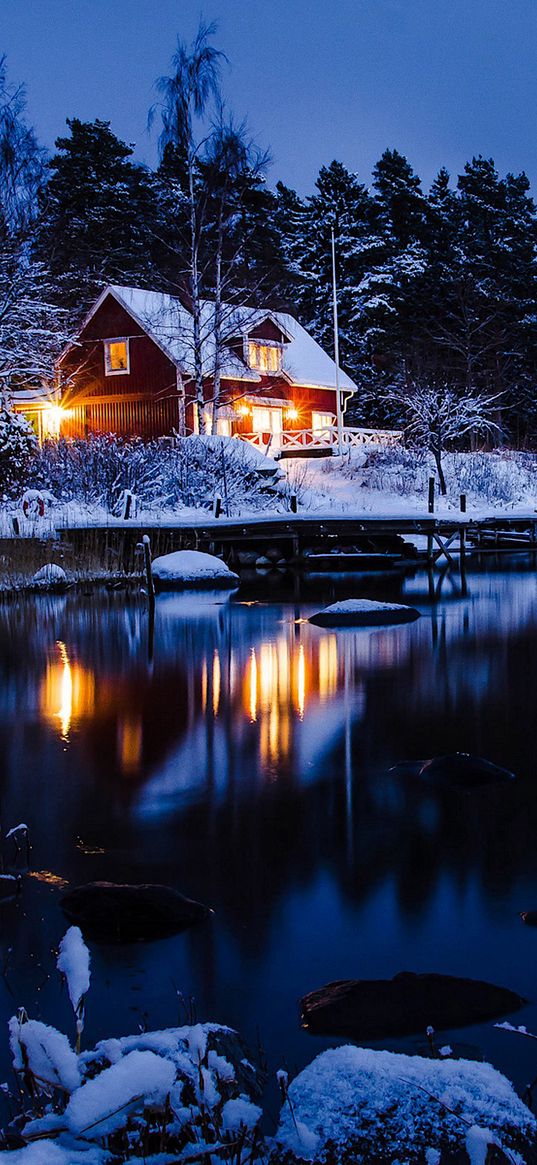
(326, 438)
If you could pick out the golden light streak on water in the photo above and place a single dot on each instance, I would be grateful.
(68, 692)
(216, 682)
(301, 682)
(253, 686)
(204, 686)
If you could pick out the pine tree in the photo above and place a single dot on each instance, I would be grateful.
(97, 215)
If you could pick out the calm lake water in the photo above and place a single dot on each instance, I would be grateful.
(245, 763)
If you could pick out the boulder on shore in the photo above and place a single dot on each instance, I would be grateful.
(354, 1105)
(374, 1009)
(455, 770)
(364, 613)
(191, 568)
(111, 912)
(50, 577)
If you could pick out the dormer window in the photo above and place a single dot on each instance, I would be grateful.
(264, 357)
(116, 357)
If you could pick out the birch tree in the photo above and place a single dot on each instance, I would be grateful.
(188, 96)
(438, 415)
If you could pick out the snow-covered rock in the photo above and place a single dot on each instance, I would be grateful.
(105, 1103)
(356, 1105)
(363, 613)
(50, 575)
(191, 568)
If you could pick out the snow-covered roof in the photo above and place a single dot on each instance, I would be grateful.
(38, 394)
(170, 324)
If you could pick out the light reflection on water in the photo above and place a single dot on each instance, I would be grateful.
(244, 760)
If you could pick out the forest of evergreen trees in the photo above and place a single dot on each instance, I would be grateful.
(436, 287)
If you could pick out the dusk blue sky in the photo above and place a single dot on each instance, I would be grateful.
(438, 79)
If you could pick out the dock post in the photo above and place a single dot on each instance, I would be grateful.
(431, 495)
(294, 504)
(217, 506)
(463, 503)
(16, 526)
(150, 594)
(462, 560)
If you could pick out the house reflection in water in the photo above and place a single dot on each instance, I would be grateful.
(238, 696)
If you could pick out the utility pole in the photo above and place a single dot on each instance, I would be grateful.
(336, 348)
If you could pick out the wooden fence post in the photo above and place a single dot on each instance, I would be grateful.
(431, 495)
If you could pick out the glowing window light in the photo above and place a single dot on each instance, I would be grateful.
(264, 357)
(116, 356)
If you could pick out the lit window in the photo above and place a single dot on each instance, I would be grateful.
(116, 356)
(265, 357)
(322, 421)
(266, 420)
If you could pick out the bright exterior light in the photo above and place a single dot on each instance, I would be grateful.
(292, 414)
(52, 419)
(244, 411)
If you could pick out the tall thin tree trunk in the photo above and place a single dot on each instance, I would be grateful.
(218, 319)
(196, 302)
(437, 454)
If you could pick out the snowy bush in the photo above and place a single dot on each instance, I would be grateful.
(494, 479)
(17, 444)
(179, 1092)
(187, 472)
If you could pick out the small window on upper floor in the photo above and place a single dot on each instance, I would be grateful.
(264, 357)
(116, 357)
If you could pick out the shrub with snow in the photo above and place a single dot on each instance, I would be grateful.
(187, 472)
(499, 478)
(18, 444)
(354, 1105)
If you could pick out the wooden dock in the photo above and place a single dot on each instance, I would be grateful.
(306, 540)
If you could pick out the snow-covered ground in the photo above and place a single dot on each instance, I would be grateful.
(388, 482)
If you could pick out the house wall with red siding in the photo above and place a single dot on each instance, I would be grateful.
(141, 402)
(144, 402)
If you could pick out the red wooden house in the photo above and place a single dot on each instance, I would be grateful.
(130, 371)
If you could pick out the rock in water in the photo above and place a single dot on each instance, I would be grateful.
(364, 613)
(374, 1009)
(457, 770)
(50, 577)
(110, 912)
(191, 568)
(529, 917)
